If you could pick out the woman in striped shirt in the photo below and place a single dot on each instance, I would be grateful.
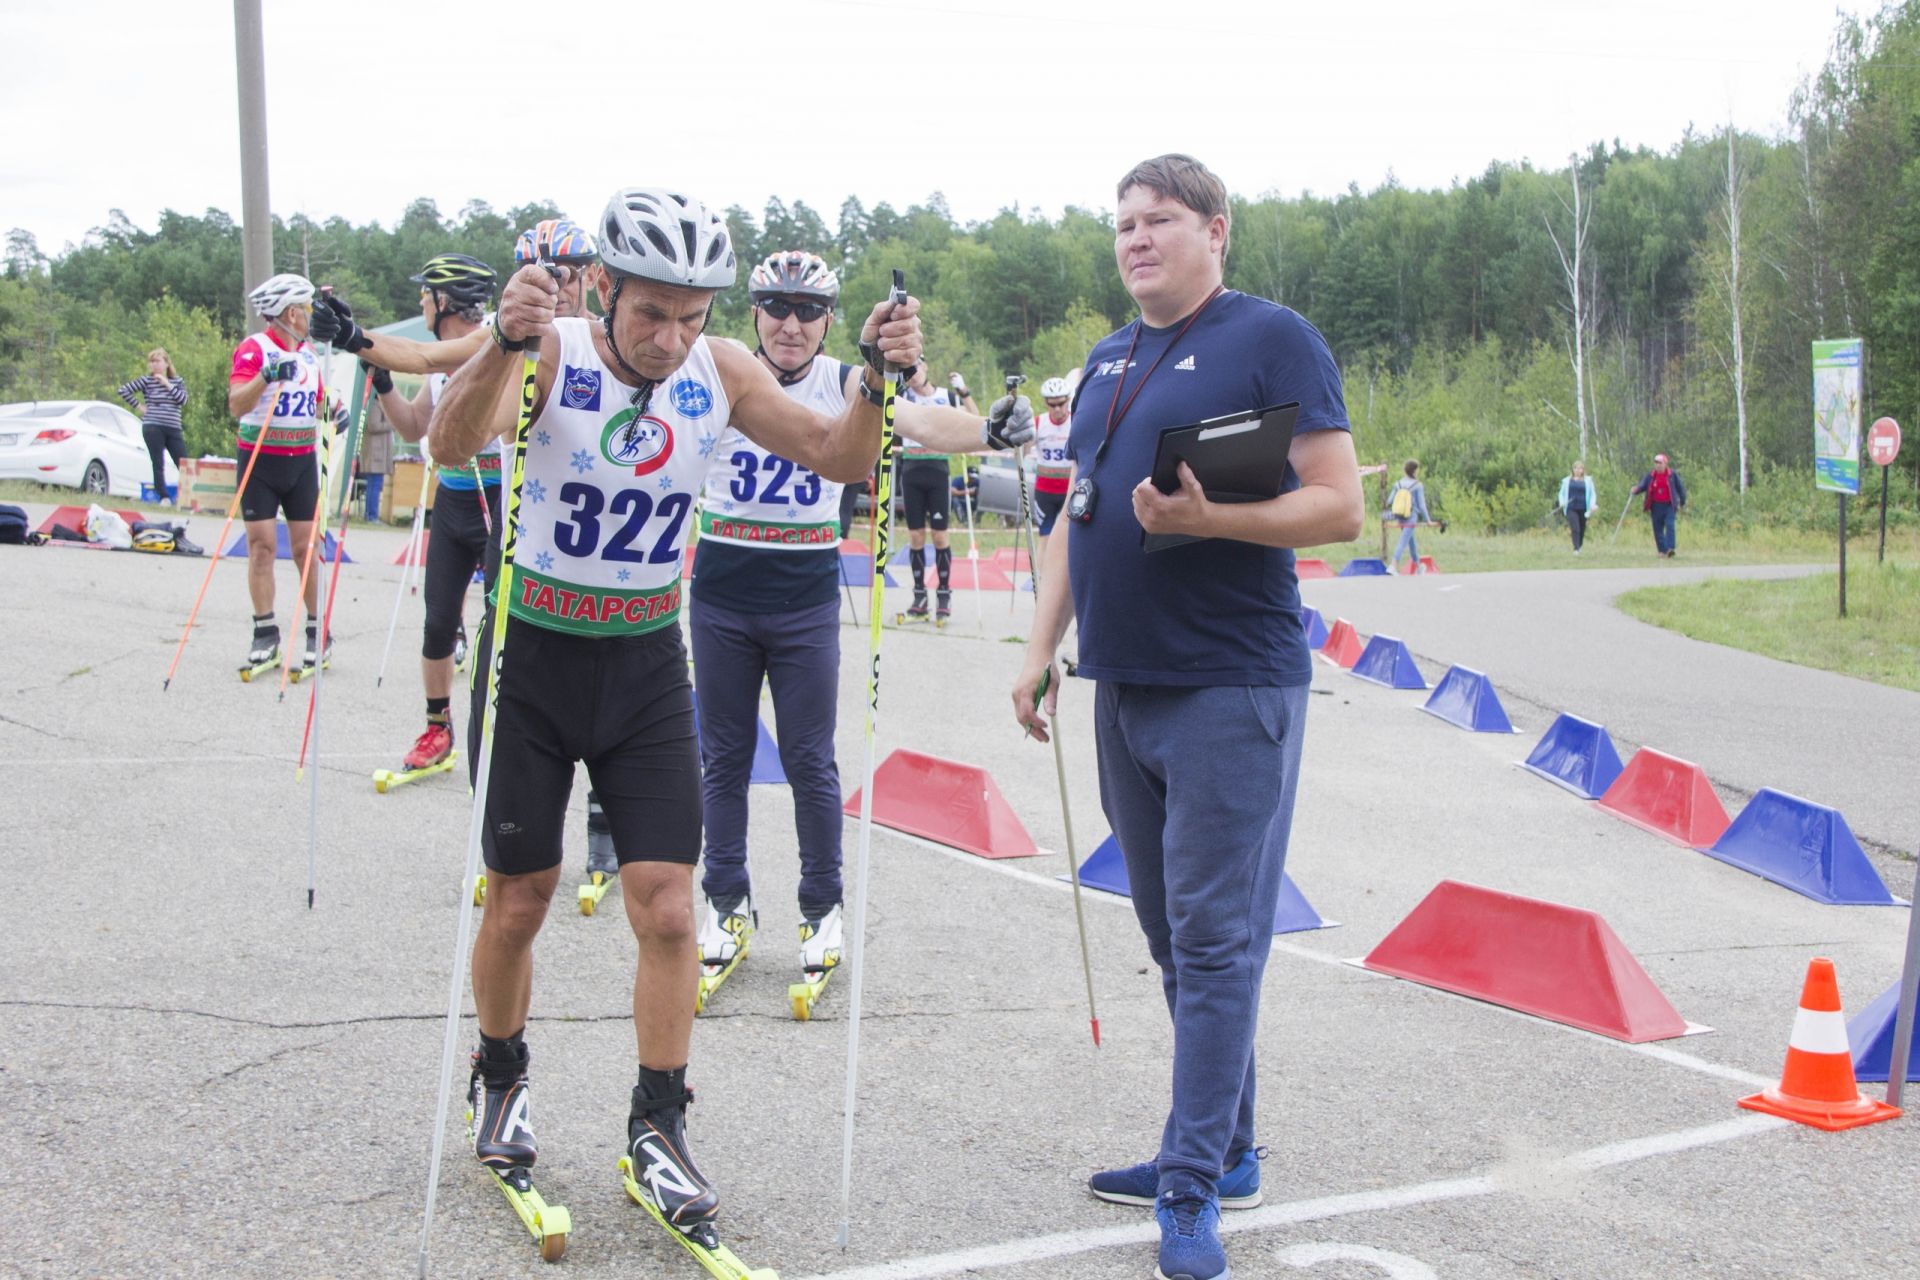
(165, 394)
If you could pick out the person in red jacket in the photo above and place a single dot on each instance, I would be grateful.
(1665, 495)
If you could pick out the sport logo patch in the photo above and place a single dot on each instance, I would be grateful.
(691, 399)
(642, 442)
(579, 388)
(1107, 367)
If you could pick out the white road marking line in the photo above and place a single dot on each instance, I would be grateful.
(1398, 1266)
(1068, 1243)
(175, 762)
(1658, 1052)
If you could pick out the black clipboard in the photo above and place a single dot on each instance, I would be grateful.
(1239, 457)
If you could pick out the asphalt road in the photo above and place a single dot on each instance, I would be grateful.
(203, 1077)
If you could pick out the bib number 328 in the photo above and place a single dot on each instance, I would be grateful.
(635, 509)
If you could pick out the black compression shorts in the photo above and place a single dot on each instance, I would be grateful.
(923, 486)
(622, 704)
(458, 545)
(1047, 507)
(280, 482)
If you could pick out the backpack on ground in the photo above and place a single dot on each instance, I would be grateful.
(13, 524)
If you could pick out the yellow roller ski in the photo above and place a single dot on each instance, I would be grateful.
(385, 780)
(548, 1224)
(802, 996)
(249, 672)
(714, 976)
(594, 890)
(703, 1243)
(480, 890)
(303, 671)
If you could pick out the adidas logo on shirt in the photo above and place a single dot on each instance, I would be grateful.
(1186, 364)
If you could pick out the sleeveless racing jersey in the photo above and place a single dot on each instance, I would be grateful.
(295, 404)
(910, 450)
(1050, 453)
(488, 461)
(757, 498)
(607, 500)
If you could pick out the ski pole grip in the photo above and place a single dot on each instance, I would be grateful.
(899, 294)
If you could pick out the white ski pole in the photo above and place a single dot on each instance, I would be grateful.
(1073, 854)
(412, 558)
(883, 537)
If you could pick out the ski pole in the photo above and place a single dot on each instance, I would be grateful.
(1623, 520)
(219, 543)
(1026, 510)
(408, 562)
(1073, 855)
(483, 770)
(883, 536)
(313, 706)
(326, 622)
(973, 546)
(323, 454)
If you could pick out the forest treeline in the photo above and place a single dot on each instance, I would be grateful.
(1454, 313)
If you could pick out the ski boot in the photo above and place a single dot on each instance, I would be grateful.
(916, 612)
(820, 949)
(942, 607)
(725, 936)
(603, 869)
(313, 660)
(265, 653)
(432, 753)
(502, 1130)
(660, 1176)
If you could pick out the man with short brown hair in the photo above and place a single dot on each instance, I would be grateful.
(1201, 666)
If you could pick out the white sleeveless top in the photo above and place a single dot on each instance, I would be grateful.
(295, 403)
(607, 500)
(1050, 446)
(484, 467)
(757, 498)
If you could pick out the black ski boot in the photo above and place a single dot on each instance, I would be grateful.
(502, 1117)
(657, 1150)
(942, 607)
(918, 609)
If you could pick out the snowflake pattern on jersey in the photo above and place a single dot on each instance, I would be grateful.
(666, 483)
(581, 461)
(624, 574)
(535, 491)
(543, 562)
(707, 442)
(543, 436)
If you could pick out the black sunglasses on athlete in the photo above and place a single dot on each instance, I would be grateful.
(780, 309)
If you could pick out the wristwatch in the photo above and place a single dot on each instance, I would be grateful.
(501, 338)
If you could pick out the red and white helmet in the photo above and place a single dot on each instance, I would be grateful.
(794, 273)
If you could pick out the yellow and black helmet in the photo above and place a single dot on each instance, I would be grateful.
(465, 282)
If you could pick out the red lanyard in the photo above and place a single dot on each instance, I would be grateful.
(1116, 410)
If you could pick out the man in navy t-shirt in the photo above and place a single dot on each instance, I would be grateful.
(1201, 665)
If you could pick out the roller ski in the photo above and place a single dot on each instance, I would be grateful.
(820, 949)
(502, 1132)
(313, 661)
(603, 869)
(460, 647)
(724, 939)
(942, 607)
(660, 1177)
(917, 613)
(264, 656)
(432, 752)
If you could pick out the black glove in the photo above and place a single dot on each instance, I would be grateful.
(333, 325)
(280, 370)
(382, 380)
(1009, 423)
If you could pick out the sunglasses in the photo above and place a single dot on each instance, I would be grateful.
(780, 309)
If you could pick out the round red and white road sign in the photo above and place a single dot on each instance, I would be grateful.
(1883, 442)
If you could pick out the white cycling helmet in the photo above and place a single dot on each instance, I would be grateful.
(279, 293)
(1055, 389)
(656, 234)
(796, 274)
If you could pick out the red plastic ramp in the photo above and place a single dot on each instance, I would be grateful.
(1305, 567)
(75, 518)
(946, 802)
(1552, 961)
(961, 576)
(1343, 647)
(1012, 560)
(1668, 796)
(419, 556)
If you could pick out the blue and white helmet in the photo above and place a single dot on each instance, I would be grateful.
(656, 234)
(282, 291)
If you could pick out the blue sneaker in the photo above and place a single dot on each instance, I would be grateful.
(1189, 1221)
(1239, 1186)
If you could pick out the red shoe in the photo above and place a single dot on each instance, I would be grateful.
(431, 747)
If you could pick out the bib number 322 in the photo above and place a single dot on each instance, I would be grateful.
(635, 509)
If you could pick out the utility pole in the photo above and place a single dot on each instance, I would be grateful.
(256, 211)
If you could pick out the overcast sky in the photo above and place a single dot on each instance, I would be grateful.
(1043, 103)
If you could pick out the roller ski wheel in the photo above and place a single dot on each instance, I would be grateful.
(480, 890)
(385, 780)
(803, 995)
(821, 945)
(550, 1225)
(248, 672)
(598, 882)
(306, 671)
(702, 1240)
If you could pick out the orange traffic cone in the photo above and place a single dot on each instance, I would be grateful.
(1817, 1088)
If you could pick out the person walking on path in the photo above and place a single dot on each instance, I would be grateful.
(1576, 502)
(1665, 496)
(1206, 685)
(163, 394)
(376, 453)
(1407, 508)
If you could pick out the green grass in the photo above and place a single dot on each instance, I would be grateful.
(1796, 619)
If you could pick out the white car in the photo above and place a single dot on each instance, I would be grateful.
(82, 444)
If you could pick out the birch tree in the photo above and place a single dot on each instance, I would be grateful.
(1579, 293)
(1730, 284)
